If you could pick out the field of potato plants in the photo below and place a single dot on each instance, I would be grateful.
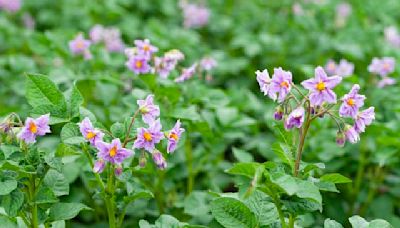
(199, 113)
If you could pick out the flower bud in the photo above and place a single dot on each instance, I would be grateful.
(278, 113)
(340, 138)
(99, 166)
(118, 170)
(159, 160)
(351, 134)
(142, 160)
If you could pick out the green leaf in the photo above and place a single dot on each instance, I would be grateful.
(329, 223)
(227, 115)
(70, 134)
(167, 221)
(358, 222)
(45, 195)
(379, 223)
(7, 186)
(75, 101)
(300, 206)
(188, 113)
(308, 190)
(13, 202)
(40, 90)
(56, 182)
(283, 152)
(7, 223)
(196, 204)
(230, 212)
(57, 114)
(242, 156)
(286, 182)
(245, 169)
(66, 211)
(118, 130)
(260, 204)
(335, 178)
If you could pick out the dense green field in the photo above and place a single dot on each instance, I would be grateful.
(199, 113)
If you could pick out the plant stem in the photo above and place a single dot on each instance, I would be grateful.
(189, 165)
(292, 219)
(160, 191)
(357, 183)
(34, 211)
(303, 133)
(109, 197)
(130, 128)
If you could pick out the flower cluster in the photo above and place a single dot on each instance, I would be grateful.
(142, 61)
(10, 5)
(147, 139)
(392, 36)
(343, 69)
(34, 127)
(194, 15)
(318, 102)
(383, 67)
(110, 36)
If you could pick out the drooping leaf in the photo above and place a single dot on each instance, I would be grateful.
(56, 182)
(65, 211)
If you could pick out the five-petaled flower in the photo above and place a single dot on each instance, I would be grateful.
(148, 109)
(321, 87)
(352, 102)
(145, 49)
(383, 66)
(281, 84)
(295, 118)
(363, 119)
(147, 138)
(138, 64)
(80, 46)
(173, 136)
(112, 152)
(35, 127)
(90, 133)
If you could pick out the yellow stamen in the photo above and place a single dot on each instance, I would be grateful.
(138, 64)
(386, 66)
(80, 44)
(90, 135)
(147, 136)
(173, 136)
(113, 151)
(351, 102)
(320, 86)
(284, 84)
(146, 47)
(32, 127)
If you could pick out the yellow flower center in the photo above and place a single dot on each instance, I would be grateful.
(80, 44)
(138, 64)
(147, 136)
(351, 102)
(146, 47)
(386, 66)
(113, 152)
(284, 84)
(320, 86)
(32, 127)
(90, 135)
(173, 136)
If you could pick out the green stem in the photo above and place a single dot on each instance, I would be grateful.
(160, 191)
(303, 133)
(292, 219)
(34, 209)
(189, 165)
(357, 183)
(110, 197)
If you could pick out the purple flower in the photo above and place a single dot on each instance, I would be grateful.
(344, 68)
(148, 110)
(392, 36)
(385, 81)
(363, 119)
(112, 152)
(194, 15)
(295, 118)
(173, 136)
(80, 46)
(330, 67)
(321, 87)
(164, 66)
(281, 83)
(96, 33)
(145, 48)
(159, 160)
(138, 64)
(89, 132)
(264, 81)
(148, 138)
(383, 66)
(351, 102)
(118, 170)
(99, 166)
(351, 134)
(343, 10)
(10, 5)
(207, 63)
(35, 127)
(187, 73)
